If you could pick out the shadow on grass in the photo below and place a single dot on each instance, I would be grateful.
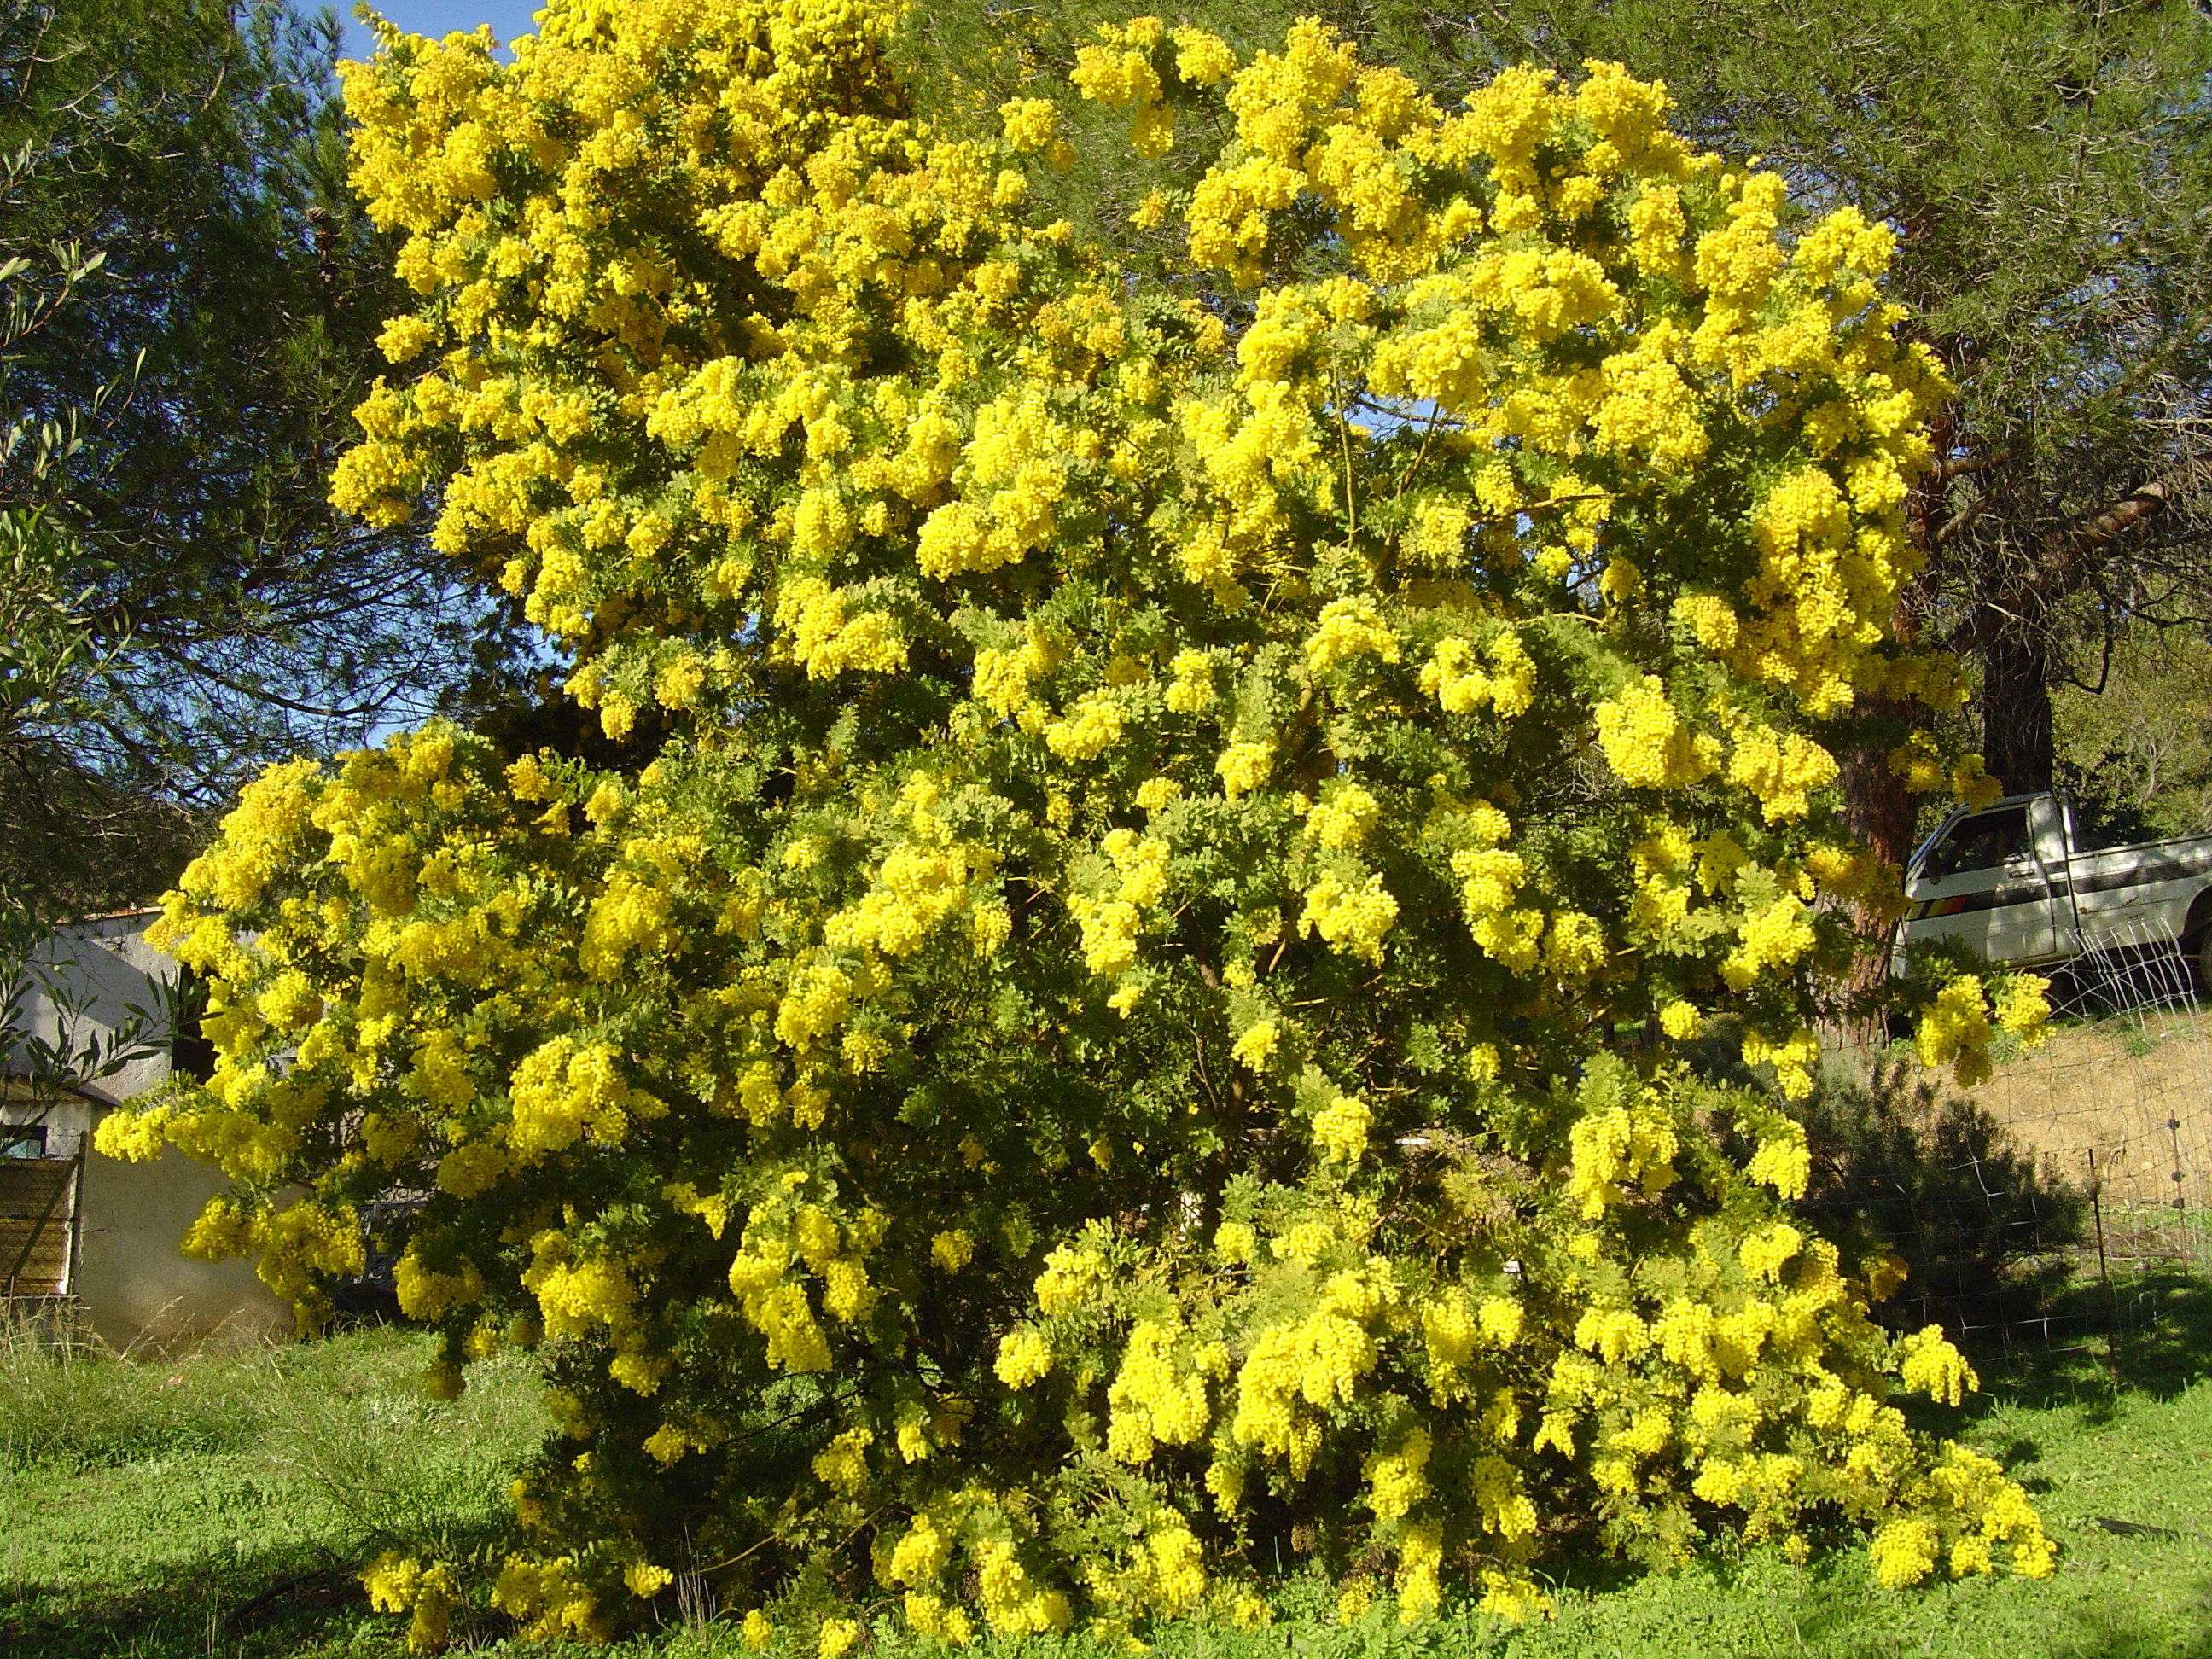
(1754, 1609)
(231, 1603)
(2113, 1631)
(241, 1606)
(333, 1453)
(2151, 1339)
(1902, 1165)
(1997, 1250)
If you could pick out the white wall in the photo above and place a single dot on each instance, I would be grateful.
(105, 967)
(137, 1289)
(135, 1285)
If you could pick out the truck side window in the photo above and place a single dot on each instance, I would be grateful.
(1982, 842)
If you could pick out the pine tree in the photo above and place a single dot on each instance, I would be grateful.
(195, 300)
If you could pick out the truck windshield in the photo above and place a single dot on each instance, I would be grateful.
(1983, 842)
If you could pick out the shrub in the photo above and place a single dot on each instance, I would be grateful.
(1064, 1026)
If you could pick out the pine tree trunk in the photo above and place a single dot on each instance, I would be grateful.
(2016, 735)
(1882, 815)
(1880, 811)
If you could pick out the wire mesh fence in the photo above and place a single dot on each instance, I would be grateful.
(2058, 1205)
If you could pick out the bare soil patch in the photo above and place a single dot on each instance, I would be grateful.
(2134, 1096)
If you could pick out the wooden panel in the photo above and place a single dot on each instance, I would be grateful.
(32, 1188)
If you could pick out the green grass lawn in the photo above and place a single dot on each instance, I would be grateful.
(222, 1506)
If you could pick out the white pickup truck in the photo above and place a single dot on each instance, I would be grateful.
(2025, 885)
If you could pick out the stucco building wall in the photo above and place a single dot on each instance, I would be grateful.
(125, 1269)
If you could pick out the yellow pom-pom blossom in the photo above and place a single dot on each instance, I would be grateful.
(1340, 1129)
(1622, 1145)
(1646, 741)
(1956, 1031)
(2022, 1008)
(1097, 900)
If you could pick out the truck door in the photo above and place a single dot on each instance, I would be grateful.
(1981, 881)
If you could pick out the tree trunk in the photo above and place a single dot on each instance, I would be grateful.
(2016, 735)
(1880, 811)
(1882, 815)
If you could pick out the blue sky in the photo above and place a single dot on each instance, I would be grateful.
(507, 18)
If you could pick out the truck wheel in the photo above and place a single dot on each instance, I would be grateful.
(2200, 951)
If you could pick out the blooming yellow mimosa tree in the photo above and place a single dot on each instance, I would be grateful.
(1173, 809)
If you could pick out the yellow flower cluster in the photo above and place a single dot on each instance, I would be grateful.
(1793, 1059)
(425, 1293)
(1767, 1252)
(1153, 1399)
(2022, 1009)
(1070, 1276)
(550, 1599)
(1014, 1604)
(1622, 1145)
(1127, 78)
(1451, 1331)
(397, 1582)
(1965, 1484)
(1351, 919)
(1349, 629)
(1662, 862)
(1648, 744)
(1461, 687)
(1316, 1361)
(1955, 1031)
(1341, 1129)
(1192, 691)
(562, 1090)
(1904, 1553)
(1088, 730)
(1244, 767)
(1110, 920)
(1343, 817)
(1255, 1046)
(1784, 1161)
(1024, 1357)
(1774, 937)
(824, 638)
(1490, 876)
(1780, 770)
(1398, 1479)
(1933, 1367)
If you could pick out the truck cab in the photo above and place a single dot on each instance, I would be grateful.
(1995, 880)
(2027, 885)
